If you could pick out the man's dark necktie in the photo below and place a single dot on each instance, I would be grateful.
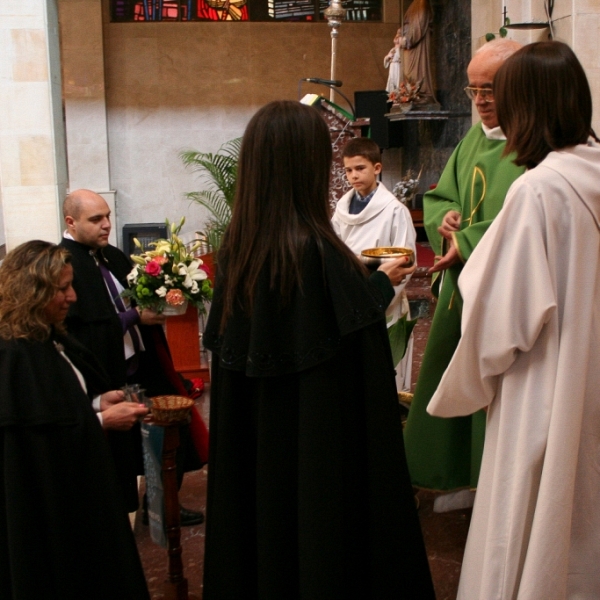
(132, 363)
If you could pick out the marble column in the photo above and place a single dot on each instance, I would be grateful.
(33, 171)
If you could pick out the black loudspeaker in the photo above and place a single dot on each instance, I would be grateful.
(145, 233)
(374, 104)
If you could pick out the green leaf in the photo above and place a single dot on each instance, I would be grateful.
(489, 37)
(219, 173)
(399, 334)
(503, 32)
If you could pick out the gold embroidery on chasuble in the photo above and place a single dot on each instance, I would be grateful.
(478, 190)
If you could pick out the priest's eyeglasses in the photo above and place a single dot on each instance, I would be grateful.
(486, 94)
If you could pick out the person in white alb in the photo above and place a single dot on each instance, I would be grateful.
(370, 216)
(530, 345)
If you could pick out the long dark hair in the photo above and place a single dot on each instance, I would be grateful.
(280, 202)
(543, 101)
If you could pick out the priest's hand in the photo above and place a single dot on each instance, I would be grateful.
(450, 224)
(444, 262)
(149, 317)
(123, 416)
(397, 270)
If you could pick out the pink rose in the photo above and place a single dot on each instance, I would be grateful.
(175, 297)
(152, 268)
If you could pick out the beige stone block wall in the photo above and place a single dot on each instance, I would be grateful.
(587, 48)
(30, 212)
(575, 22)
(32, 169)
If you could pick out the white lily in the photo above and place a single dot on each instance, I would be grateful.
(161, 291)
(191, 272)
(133, 276)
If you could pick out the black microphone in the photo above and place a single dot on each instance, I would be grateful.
(333, 82)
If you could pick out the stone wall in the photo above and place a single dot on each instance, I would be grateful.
(176, 86)
(428, 144)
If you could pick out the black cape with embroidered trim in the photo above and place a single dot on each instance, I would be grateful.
(309, 495)
(64, 533)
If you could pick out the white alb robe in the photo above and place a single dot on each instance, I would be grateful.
(530, 352)
(385, 221)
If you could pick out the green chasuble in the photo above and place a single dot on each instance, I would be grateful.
(445, 454)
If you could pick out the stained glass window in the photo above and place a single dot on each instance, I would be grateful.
(238, 10)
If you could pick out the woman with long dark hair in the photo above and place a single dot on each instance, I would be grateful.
(530, 345)
(308, 494)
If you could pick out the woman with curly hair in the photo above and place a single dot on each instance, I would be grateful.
(64, 534)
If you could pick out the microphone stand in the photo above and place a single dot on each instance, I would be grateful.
(332, 87)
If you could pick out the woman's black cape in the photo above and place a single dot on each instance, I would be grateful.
(309, 495)
(64, 533)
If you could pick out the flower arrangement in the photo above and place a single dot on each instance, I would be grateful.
(169, 275)
(406, 188)
(407, 92)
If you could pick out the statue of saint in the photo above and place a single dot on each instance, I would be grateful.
(393, 62)
(415, 42)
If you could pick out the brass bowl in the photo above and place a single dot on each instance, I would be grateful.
(373, 257)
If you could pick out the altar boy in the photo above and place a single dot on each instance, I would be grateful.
(369, 216)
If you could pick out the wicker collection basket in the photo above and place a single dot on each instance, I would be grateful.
(171, 409)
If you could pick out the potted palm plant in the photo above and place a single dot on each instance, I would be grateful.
(218, 172)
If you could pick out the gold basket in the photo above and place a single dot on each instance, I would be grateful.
(171, 409)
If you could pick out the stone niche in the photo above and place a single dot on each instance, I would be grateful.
(429, 143)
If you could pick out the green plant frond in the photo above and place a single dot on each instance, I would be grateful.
(232, 148)
(214, 202)
(219, 172)
(213, 232)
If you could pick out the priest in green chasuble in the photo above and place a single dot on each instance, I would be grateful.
(445, 454)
